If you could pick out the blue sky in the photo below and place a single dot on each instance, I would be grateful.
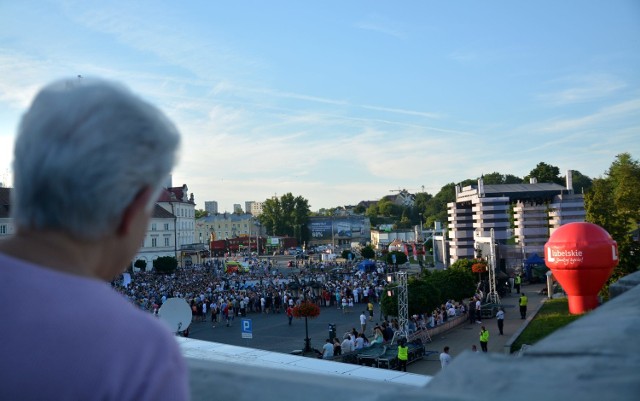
(342, 101)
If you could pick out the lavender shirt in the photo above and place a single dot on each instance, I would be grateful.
(66, 337)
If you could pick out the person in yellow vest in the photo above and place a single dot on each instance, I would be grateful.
(523, 306)
(484, 339)
(518, 282)
(370, 308)
(403, 355)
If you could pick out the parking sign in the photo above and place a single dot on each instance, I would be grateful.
(247, 331)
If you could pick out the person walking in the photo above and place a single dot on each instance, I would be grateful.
(472, 311)
(484, 338)
(363, 322)
(403, 355)
(518, 282)
(478, 310)
(500, 320)
(445, 358)
(290, 314)
(370, 308)
(523, 306)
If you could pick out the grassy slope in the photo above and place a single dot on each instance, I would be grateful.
(554, 314)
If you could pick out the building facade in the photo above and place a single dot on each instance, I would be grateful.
(211, 207)
(524, 213)
(160, 239)
(6, 223)
(256, 208)
(226, 226)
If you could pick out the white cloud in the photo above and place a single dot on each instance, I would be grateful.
(383, 25)
(628, 108)
(582, 88)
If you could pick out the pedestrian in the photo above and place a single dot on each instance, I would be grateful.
(523, 306)
(472, 310)
(290, 314)
(370, 308)
(89, 162)
(478, 310)
(484, 338)
(445, 358)
(518, 282)
(363, 322)
(500, 319)
(403, 355)
(474, 348)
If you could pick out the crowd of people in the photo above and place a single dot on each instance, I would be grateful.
(213, 292)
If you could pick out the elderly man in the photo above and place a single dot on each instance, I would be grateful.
(89, 162)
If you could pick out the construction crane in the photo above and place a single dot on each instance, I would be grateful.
(421, 189)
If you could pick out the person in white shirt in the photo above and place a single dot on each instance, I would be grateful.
(347, 345)
(445, 358)
(327, 349)
(363, 322)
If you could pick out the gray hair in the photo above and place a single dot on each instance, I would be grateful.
(84, 150)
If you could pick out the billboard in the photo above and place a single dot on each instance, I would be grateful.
(326, 228)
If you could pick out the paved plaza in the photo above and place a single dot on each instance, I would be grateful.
(272, 332)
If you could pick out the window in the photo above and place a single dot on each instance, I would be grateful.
(166, 241)
(154, 242)
(153, 226)
(166, 226)
(3, 229)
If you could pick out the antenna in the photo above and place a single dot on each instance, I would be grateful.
(176, 313)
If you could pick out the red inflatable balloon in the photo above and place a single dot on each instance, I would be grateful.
(581, 257)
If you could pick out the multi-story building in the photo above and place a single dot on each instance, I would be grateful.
(528, 213)
(237, 208)
(211, 207)
(160, 239)
(6, 223)
(226, 226)
(171, 226)
(255, 208)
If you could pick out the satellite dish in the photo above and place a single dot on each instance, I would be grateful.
(176, 313)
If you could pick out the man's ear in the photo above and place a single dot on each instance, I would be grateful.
(136, 206)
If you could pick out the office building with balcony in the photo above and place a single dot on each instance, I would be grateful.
(528, 213)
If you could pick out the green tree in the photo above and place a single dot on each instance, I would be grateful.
(613, 203)
(457, 284)
(404, 221)
(165, 265)
(359, 209)
(286, 216)
(422, 296)
(462, 264)
(625, 175)
(201, 213)
(385, 207)
(436, 207)
(496, 178)
(367, 252)
(345, 254)
(544, 172)
(401, 258)
(140, 264)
